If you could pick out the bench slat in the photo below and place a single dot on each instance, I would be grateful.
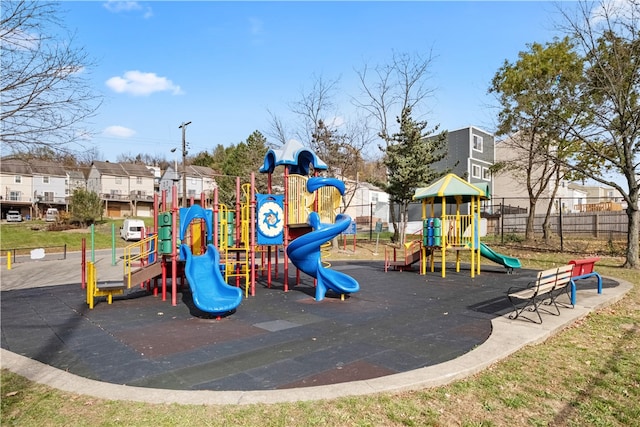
(549, 284)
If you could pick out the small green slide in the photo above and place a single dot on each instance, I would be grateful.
(507, 261)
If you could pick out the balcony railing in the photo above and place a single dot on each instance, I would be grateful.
(58, 200)
(140, 197)
(17, 199)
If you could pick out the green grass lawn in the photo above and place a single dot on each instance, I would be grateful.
(589, 374)
(37, 234)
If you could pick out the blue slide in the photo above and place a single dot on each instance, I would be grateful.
(507, 261)
(304, 253)
(211, 293)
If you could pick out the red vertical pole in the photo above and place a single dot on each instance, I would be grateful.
(286, 228)
(164, 281)
(155, 215)
(174, 255)
(215, 218)
(276, 261)
(164, 260)
(203, 229)
(252, 233)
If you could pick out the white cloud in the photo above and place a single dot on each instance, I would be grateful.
(256, 31)
(117, 6)
(335, 121)
(138, 83)
(255, 26)
(121, 6)
(119, 132)
(612, 10)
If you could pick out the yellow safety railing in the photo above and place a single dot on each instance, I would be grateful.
(329, 199)
(236, 264)
(245, 214)
(92, 287)
(300, 201)
(223, 235)
(457, 230)
(137, 252)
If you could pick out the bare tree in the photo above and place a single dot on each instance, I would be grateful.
(278, 130)
(606, 33)
(315, 106)
(391, 88)
(45, 94)
(88, 156)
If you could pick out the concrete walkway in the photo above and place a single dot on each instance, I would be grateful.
(402, 331)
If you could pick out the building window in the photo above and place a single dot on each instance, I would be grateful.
(139, 180)
(486, 175)
(475, 171)
(45, 179)
(48, 196)
(14, 196)
(17, 179)
(118, 180)
(477, 143)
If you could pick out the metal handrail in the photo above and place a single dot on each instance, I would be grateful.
(143, 252)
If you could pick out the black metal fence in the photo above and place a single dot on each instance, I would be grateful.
(572, 225)
(46, 253)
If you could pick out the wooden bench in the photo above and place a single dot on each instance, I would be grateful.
(548, 285)
(583, 269)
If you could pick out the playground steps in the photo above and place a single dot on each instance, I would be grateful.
(402, 258)
(236, 264)
(143, 274)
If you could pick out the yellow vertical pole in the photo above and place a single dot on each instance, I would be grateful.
(423, 250)
(90, 284)
(478, 231)
(473, 237)
(8, 260)
(443, 247)
(457, 232)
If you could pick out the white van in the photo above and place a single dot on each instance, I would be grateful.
(132, 229)
(51, 215)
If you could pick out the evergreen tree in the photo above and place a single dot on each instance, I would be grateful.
(408, 159)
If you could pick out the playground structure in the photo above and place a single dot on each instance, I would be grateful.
(216, 249)
(451, 231)
(458, 232)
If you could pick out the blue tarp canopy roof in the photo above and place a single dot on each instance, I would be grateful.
(453, 189)
(294, 156)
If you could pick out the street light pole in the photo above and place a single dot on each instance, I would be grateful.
(183, 126)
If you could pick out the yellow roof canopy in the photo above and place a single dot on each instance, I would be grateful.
(454, 189)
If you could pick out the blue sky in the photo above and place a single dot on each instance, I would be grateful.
(225, 65)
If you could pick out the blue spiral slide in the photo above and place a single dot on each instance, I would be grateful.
(210, 292)
(304, 252)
